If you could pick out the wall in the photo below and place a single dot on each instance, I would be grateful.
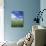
(1, 21)
(29, 7)
(43, 6)
(1, 2)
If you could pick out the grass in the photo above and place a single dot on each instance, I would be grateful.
(16, 23)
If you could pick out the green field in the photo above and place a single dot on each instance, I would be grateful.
(17, 23)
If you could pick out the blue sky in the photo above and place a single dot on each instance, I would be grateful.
(18, 14)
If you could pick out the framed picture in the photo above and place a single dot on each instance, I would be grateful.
(17, 19)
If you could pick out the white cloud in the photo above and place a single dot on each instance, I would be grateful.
(13, 16)
(16, 18)
(20, 19)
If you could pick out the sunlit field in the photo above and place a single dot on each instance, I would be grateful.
(17, 23)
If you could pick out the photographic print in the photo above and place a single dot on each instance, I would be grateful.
(17, 19)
